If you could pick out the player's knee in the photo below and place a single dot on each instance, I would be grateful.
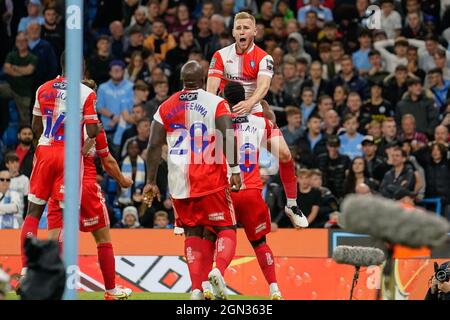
(193, 231)
(259, 242)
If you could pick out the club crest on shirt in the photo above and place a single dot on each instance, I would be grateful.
(252, 64)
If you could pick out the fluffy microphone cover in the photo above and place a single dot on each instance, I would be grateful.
(386, 220)
(358, 256)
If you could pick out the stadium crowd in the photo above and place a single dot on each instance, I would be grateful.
(362, 110)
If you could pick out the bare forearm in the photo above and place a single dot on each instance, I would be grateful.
(112, 168)
(313, 215)
(262, 87)
(212, 85)
(105, 112)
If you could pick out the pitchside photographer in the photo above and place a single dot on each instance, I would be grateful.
(440, 283)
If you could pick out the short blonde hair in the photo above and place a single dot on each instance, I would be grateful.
(244, 15)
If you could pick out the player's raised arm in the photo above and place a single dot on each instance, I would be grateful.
(215, 73)
(262, 87)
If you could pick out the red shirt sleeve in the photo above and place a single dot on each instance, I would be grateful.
(101, 144)
(223, 109)
(89, 109)
(216, 68)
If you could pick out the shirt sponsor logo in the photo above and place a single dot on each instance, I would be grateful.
(60, 85)
(90, 222)
(230, 61)
(241, 119)
(216, 216)
(188, 96)
(237, 78)
(260, 227)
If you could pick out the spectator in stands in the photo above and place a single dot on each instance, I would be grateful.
(47, 65)
(53, 32)
(204, 39)
(414, 27)
(391, 21)
(161, 88)
(395, 85)
(334, 66)
(362, 189)
(441, 134)
(415, 102)
(392, 60)
(374, 130)
(154, 10)
(419, 172)
(19, 68)
(137, 113)
(389, 135)
(333, 166)
(161, 220)
(377, 72)
(354, 105)
(99, 62)
(331, 123)
(356, 175)
(323, 13)
(111, 96)
(19, 182)
(328, 208)
(227, 13)
(439, 87)
(412, 56)
(340, 95)
(272, 195)
(183, 21)
(400, 175)
(293, 130)
(312, 144)
(133, 166)
(137, 68)
(440, 60)
(277, 95)
(295, 47)
(360, 58)
(25, 149)
(159, 41)
(141, 21)
(130, 219)
(351, 139)
(10, 215)
(409, 132)
(178, 56)
(34, 15)
(217, 25)
(292, 82)
(427, 50)
(308, 198)
(376, 106)
(437, 173)
(117, 39)
(143, 133)
(307, 106)
(208, 9)
(375, 166)
(329, 33)
(348, 77)
(324, 104)
(319, 85)
(135, 43)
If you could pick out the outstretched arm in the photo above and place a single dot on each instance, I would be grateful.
(112, 168)
(262, 87)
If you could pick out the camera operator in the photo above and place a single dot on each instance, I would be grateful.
(440, 283)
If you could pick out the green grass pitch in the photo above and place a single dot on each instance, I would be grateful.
(144, 296)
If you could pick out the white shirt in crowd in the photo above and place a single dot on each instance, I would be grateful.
(10, 216)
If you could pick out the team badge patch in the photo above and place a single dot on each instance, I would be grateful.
(213, 63)
(252, 64)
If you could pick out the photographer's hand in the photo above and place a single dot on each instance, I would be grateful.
(434, 285)
(444, 286)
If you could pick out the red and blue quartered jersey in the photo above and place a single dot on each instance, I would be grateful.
(228, 65)
(188, 117)
(51, 105)
(251, 132)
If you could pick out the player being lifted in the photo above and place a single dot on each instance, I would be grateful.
(200, 190)
(246, 63)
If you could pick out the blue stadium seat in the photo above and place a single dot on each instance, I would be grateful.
(10, 135)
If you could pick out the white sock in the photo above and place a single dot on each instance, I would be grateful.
(24, 271)
(273, 287)
(291, 203)
(113, 291)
